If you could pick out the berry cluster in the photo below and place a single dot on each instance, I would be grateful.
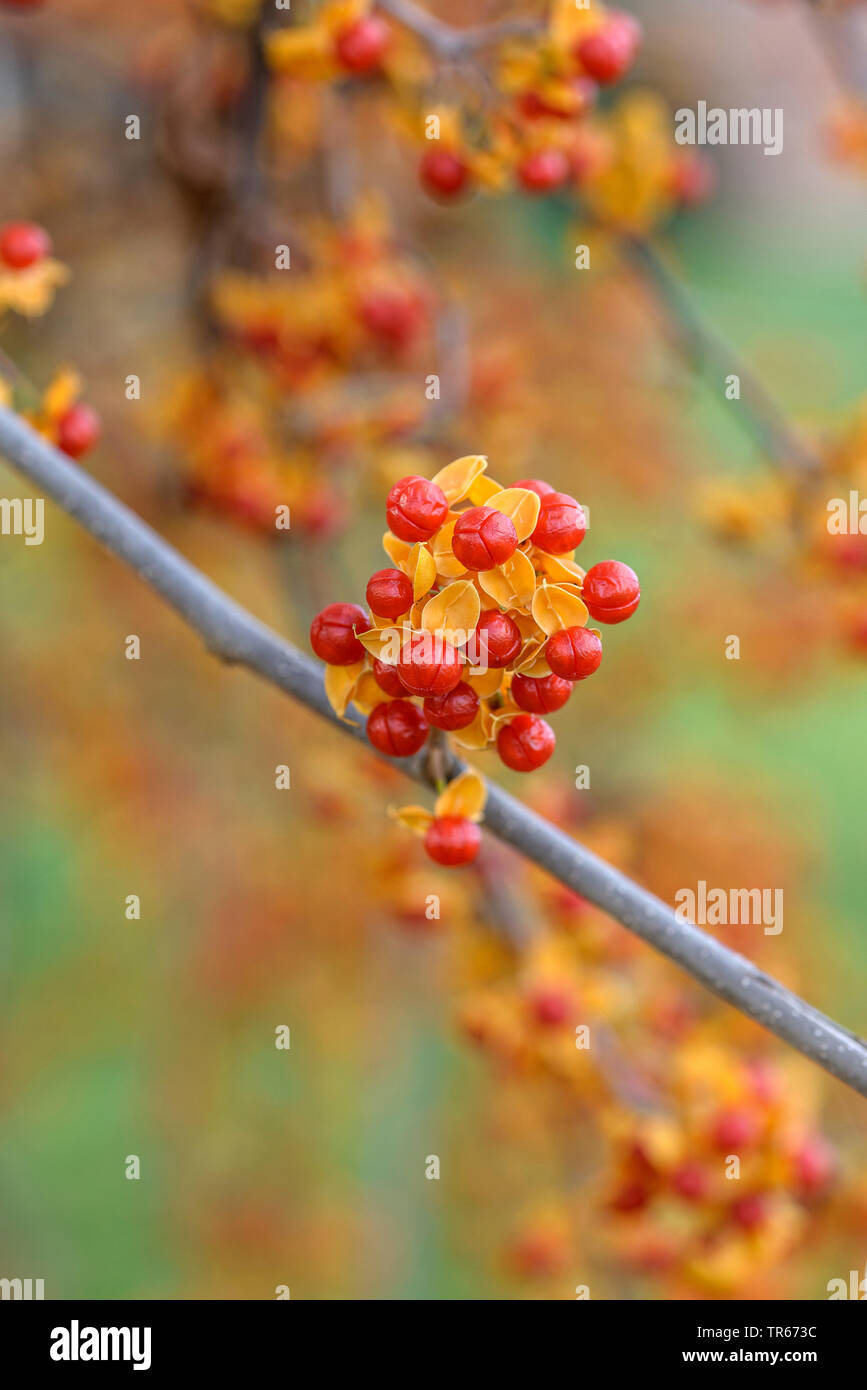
(818, 511)
(479, 627)
(28, 277)
(727, 1185)
(312, 382)
(541, 86)
(552, 82)
(689, 1095)
(354, 298)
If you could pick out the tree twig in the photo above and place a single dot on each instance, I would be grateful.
(708, 350)
(234, 635)
(448, 42)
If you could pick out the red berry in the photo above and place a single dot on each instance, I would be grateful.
(631, 1196)
(583, 95)
(690, 1181)
(610, 52)
(78, 430)
(611, 591)
(361, 46)
(848, 553)
(541, 694)
(394, 317)
(496, 640)
(550, 1006)
(561, 525)
(536, 485)
(389, 593)
(332, 637)
(443, 173)
(483, 538)
(416, 509)
(525, 743)
(750, 1212)
(452, 840)
(456, 710)
(574, 653)
(532, 105)
(543, 171)
(387, 678)
(397, 728)
(734, 1129)
(815, 1164)
(23, 244)
(428, 665)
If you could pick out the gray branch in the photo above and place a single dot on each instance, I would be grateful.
(450, 43)
(234, 635)
(708, 351)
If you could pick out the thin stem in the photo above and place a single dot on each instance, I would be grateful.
(448, 42)
(234, 635)
(709, 351)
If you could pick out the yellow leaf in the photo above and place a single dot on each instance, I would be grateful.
(532, 660)
(384, 643)
(303, 52)
(537, 668)
(465, 796)
(511, 585)
(398, 551)
(484, 682)
(414, 818)
(521, 506)
(340, 683)
(441, 546)
(455, 609)
(489, 169)
(557, 567)
(555, 609)
(478, 734)
(457, 478)
(31, 291)
(569, 23)
(483, 488)
(529, 652)
(526, 625)
(422, 570)
(63, 392)
(341, 13)
(368, 693)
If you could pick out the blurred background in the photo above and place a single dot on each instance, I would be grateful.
(306, 907)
